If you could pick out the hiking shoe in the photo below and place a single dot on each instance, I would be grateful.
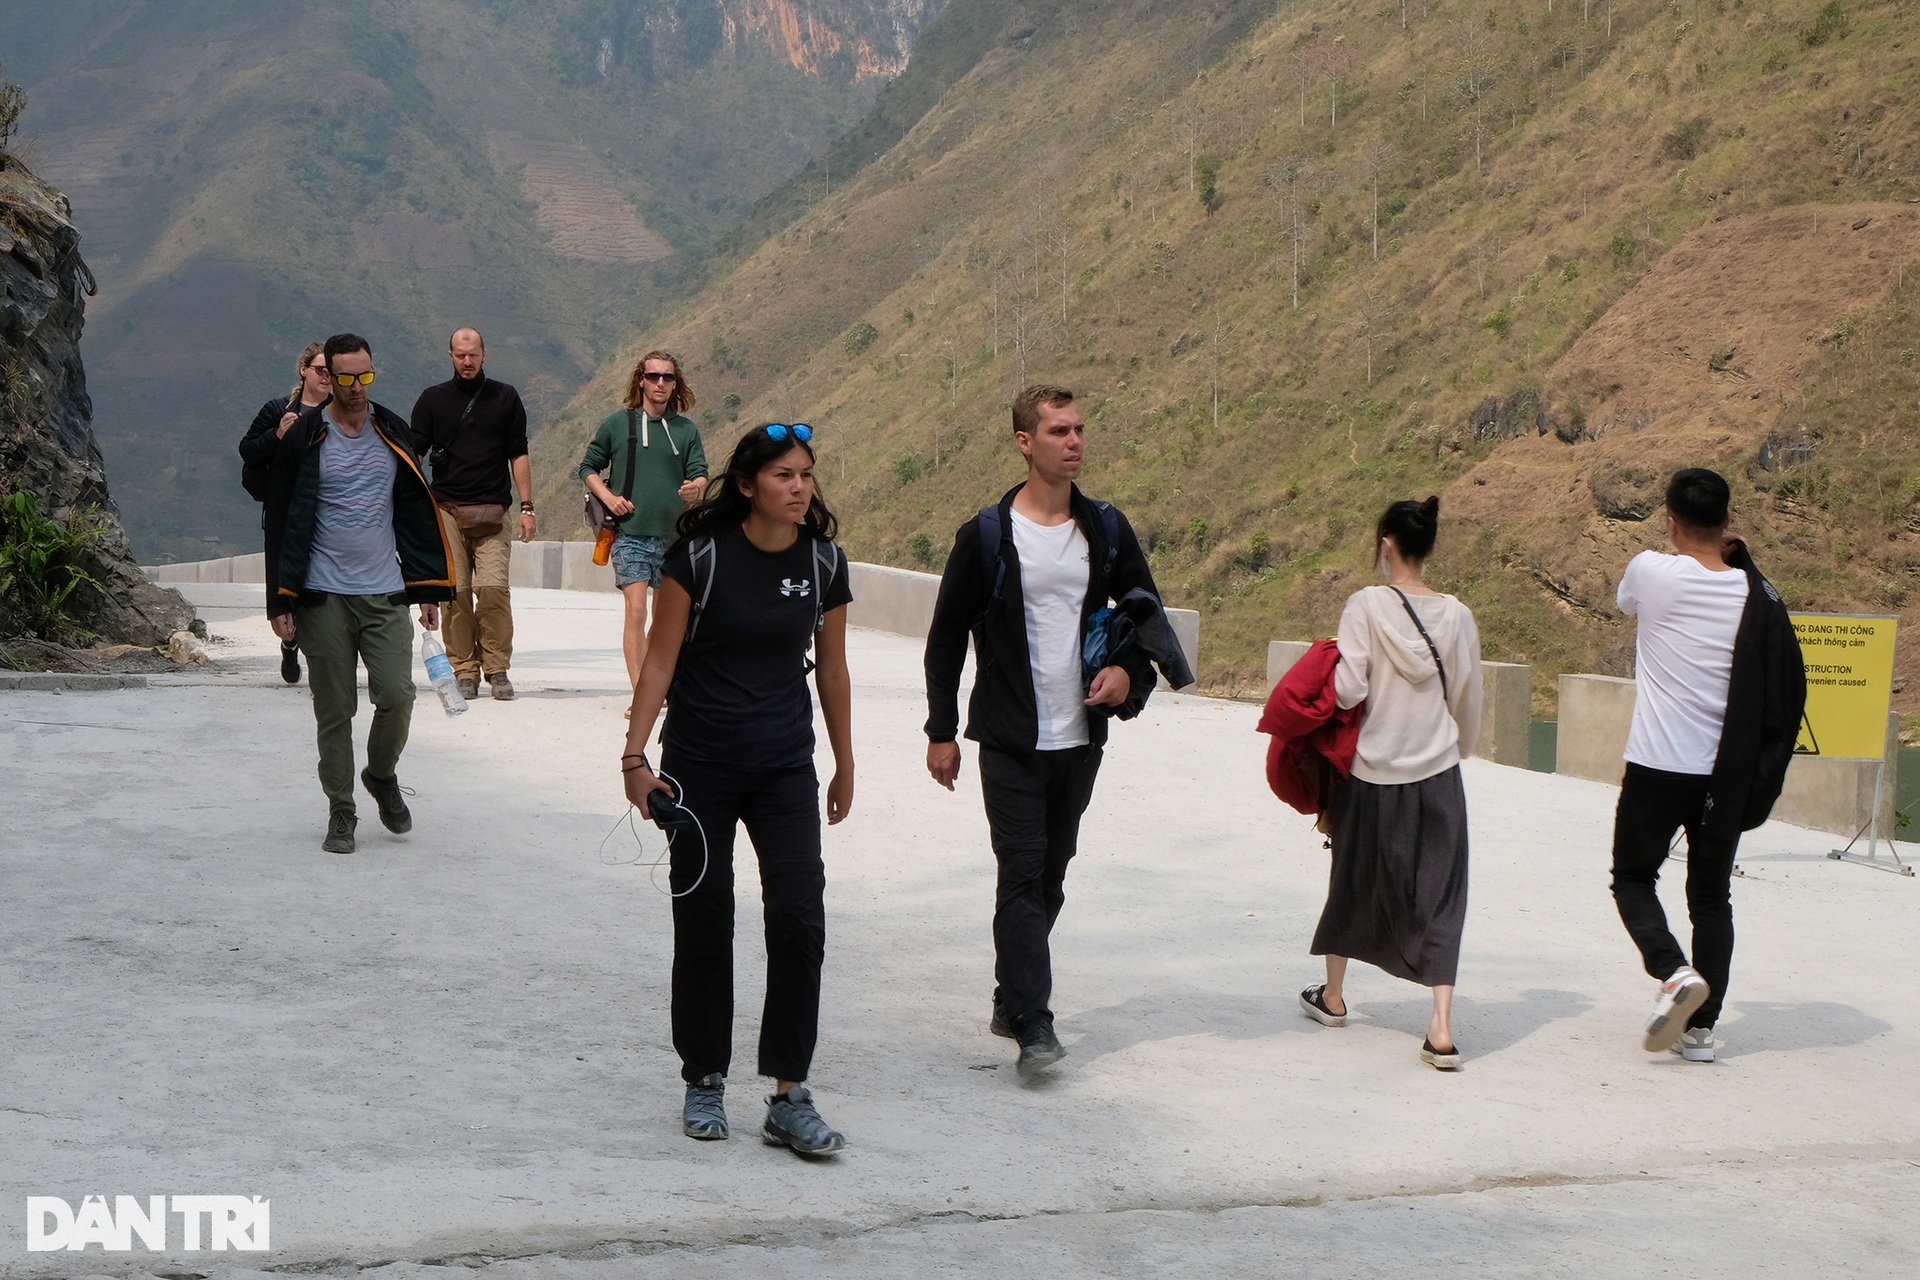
(290, 662)
(1448, 1061)
(705, 1115)
(390, 796)
(1039, 1047)
(340, 825)
(999, 1025)
(1314, 1001)
(502, 687)
(469, 687)
(1695, 1044)
(792, 1121)
(1680, 996)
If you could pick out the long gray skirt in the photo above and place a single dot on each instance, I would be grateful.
(1397, 893)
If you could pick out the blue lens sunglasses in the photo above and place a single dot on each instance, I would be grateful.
(780, 431)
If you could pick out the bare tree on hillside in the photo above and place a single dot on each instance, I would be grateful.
(1475, 69)
(1373, 314)
(1191, 119)
(1026, 324)
(1330, 61)
(1378, 159)
(1480, 254)
(1282, 182)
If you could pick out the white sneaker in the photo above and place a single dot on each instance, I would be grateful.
(1680, 996)
(1695, 1044)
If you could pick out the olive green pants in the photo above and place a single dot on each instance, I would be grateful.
(337, 635)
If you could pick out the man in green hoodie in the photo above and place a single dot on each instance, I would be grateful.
(652, 453)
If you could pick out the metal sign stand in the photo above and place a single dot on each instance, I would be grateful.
(1872, 832)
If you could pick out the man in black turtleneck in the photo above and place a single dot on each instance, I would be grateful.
(474, 432)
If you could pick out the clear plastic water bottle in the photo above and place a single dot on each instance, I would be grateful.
(440, 672)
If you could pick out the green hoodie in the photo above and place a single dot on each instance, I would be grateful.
(667, 453)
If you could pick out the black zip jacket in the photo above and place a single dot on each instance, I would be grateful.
(1001, 712)
(259, 444)
(293, 493)
(1766, 697)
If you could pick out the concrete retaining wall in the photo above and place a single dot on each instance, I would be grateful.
(1506, 702)
(1826, 795)
(899, 601)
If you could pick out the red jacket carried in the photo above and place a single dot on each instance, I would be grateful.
(1313, 736)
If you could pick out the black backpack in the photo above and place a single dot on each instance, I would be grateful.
(253, 475)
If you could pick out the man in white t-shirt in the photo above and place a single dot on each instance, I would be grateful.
(1026, 579)
(1689, 607)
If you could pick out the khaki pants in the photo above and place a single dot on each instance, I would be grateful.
(478, 626)
(337, 635)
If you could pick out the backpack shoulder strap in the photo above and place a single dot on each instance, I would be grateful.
(701, 548)
(1110, 528)
(826, 563)
(633, 445)
(993, 569)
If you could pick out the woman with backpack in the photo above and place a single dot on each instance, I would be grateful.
(1397, 892)
(312, 389)
(753, 581)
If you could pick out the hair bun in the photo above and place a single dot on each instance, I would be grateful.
(1429, 510)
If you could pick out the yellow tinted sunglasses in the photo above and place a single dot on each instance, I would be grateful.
(348, 379)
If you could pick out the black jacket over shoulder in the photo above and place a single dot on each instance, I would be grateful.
(1001, 712)
(293, 497)
(1766, 696)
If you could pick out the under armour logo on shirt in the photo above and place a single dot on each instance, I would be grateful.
(788, 587)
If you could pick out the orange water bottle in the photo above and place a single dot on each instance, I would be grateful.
(603, 542)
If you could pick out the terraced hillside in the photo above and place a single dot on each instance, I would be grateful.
(248, 177)
(1304, 258)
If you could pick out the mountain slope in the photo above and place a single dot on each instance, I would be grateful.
(247, 178)
(1301, 260)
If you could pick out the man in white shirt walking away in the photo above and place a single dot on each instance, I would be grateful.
(1719, 692)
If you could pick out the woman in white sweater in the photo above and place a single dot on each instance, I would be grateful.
(1397, 895)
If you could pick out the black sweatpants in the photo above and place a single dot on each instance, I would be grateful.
(1034, 801)
(1653, 805)
(781, 811)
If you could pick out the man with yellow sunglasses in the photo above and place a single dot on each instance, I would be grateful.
(353, 537)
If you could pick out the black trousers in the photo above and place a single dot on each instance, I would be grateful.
(1034, 801)
(781, 811)
(1653, 805)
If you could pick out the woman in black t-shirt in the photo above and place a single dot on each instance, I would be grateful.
(753, 580)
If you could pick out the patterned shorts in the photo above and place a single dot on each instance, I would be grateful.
(637, 558)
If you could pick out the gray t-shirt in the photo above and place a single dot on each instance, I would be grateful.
(353, 549)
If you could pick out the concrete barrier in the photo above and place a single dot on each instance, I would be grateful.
(1506, 713)
(899, 601)
(1826, 795)
(895, 600)
(1595, 713)
(1506, 702)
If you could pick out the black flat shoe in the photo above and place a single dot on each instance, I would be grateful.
(1448, 1061)
(290, 662)
(1314, 1001)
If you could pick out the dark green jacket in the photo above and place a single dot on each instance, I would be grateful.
(293, 496)
(671, 456)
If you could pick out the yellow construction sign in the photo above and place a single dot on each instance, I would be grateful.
(1849, 659)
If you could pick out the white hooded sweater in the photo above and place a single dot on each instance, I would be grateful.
(1410, 732)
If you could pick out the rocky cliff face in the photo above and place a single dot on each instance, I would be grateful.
(46, 428)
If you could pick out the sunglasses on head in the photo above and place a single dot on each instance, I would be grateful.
(799, 431)
(348, 379)
(654, 376)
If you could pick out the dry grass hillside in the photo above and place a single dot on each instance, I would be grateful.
(1303, 259)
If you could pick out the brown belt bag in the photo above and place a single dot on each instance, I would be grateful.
(477, 519)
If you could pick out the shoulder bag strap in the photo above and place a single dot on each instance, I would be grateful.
(633, 445)
(1421, 627)
(700, 547)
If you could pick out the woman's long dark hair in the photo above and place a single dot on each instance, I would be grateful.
(725, 504)
(1412, 526)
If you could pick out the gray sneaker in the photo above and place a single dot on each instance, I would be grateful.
(705, 1115)
(1039, 1047)
(340, 825)
(793, 1121)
